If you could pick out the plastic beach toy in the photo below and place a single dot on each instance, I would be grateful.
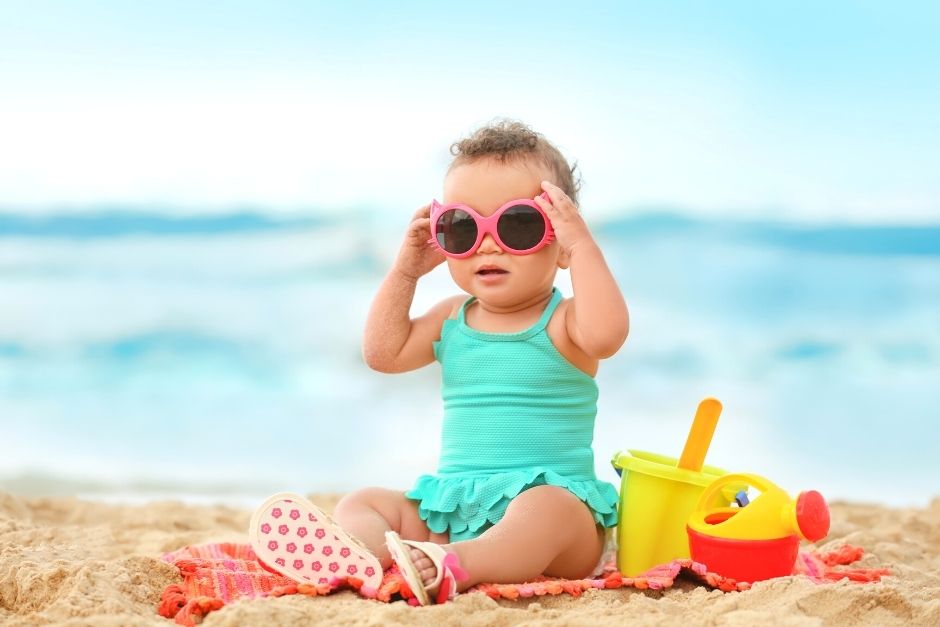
(700, 436)
(658, 493)
(760, 539)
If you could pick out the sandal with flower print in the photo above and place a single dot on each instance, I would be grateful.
(295, 538)
(449, 572)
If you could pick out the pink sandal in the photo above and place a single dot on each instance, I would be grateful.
(293, 537)
(448, 567)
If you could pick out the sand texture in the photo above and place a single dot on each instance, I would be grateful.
(65, 561)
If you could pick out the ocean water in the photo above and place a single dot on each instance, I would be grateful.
(146, 356)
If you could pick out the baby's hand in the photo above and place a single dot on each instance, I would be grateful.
(416, 257)
(570, 228)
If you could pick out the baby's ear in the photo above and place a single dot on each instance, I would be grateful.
(564, 259)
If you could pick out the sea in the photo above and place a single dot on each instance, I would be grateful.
(150, 354)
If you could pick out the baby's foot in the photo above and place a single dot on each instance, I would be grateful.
(425, 564)
(425, 567)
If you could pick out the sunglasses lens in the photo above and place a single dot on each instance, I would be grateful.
(456, 231)
(521, 227)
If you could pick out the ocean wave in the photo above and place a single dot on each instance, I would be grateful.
(185, 347)
(115, 223)
(33, 482)
(808, 350)
(851, 239)
(181, 343)
(838, 239)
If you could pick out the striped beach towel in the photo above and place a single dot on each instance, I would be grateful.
(219, 573)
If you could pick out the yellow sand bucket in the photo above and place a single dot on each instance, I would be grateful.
(656, 500)
(659, 493)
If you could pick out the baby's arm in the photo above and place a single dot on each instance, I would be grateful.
(393, 342)
(597, 319)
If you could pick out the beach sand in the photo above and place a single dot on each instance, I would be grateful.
(68, 561)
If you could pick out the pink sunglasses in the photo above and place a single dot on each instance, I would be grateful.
(519, 227)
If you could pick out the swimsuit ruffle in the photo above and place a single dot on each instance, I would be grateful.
(467, 506)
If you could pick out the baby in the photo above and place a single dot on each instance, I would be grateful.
(515, 495)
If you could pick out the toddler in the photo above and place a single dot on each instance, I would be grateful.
(515, 495)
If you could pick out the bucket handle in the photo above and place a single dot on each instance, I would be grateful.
(613, 462)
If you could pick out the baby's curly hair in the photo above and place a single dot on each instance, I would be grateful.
(508, 140)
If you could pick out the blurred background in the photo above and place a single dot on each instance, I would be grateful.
(198, 200)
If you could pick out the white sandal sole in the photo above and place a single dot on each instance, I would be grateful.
(294, 537)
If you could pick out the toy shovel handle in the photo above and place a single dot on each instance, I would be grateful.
(700, 436)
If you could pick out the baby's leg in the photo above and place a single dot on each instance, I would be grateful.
(368, 513)
(546, 531)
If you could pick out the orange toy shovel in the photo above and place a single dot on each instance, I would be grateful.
(700, 435)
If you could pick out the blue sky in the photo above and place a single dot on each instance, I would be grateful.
(815, 111)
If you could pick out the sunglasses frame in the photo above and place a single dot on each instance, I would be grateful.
(488, 225)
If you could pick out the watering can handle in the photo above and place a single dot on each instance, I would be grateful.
(714, 488)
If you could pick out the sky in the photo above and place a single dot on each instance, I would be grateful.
(807, 111)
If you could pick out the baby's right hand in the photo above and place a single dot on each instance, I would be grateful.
(417, 257)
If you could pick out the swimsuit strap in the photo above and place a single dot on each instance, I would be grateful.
(461, 313)
(549, 309)
(538, 326)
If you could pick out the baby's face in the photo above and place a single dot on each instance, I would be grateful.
(491, 274)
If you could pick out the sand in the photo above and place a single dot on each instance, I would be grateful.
(68, 561)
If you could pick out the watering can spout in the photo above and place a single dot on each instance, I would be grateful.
(809, 515)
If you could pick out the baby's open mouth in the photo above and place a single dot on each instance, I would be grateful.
(490, 270)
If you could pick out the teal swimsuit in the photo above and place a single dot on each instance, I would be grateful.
(517, 414)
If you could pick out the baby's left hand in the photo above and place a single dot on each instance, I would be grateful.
(570, 228)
